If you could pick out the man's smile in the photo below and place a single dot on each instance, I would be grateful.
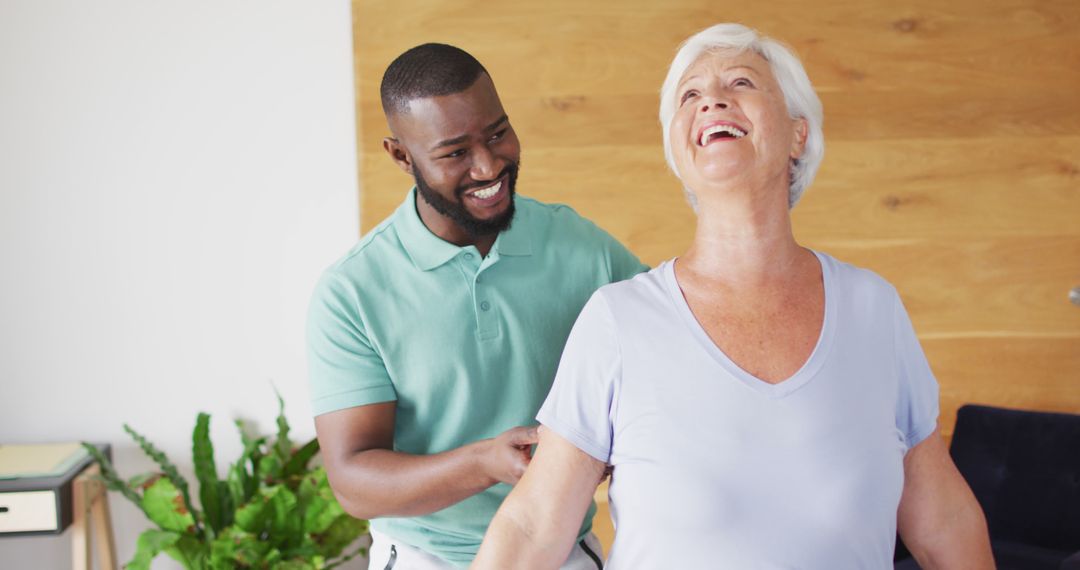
(487, 196)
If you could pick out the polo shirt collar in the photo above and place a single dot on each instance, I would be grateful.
(517, 240)
(429, 251)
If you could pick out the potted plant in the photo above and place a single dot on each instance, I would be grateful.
(271, 511)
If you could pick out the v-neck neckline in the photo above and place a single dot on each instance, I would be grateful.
(780, 389)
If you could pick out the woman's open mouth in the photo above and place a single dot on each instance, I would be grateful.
(720, 131)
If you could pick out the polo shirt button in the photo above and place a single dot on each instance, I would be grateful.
(468, 256)
(485, 306)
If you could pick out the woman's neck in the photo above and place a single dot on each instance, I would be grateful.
(743, 239)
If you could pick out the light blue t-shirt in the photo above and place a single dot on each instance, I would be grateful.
(714, 468)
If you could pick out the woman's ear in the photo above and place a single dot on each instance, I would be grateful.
(798, 144)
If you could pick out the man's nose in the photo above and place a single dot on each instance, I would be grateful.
(484, 165)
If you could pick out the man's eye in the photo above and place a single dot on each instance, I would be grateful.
(497, 136)
(456, 154)
(686, 96)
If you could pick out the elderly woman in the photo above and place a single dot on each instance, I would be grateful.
(761, 405)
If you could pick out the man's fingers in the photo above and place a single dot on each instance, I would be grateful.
(518, 470)
(524, 436)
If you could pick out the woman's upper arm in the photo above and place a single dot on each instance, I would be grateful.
(928, 475)
(560, 482)
(939, 518)
(537, 525)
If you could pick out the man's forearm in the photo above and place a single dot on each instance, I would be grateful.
(380, 482)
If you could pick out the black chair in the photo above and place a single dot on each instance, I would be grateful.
(1024, 468)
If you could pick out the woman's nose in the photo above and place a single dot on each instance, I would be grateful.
(717, 104)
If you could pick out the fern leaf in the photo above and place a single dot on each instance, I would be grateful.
(164, 506)
(297, 464)
(252, 453)
(282, 446)
(112, 479)
(170, 471)
(202, 451)
(151, 543)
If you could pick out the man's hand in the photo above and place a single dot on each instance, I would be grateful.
(372, 480)
(508, 454)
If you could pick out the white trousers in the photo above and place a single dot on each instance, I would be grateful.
(390, 554)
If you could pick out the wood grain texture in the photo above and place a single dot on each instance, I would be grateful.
(1027, 373)
(952, 162)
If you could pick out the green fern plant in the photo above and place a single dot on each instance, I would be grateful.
(272, 510)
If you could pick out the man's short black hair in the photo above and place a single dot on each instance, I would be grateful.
(427, 70)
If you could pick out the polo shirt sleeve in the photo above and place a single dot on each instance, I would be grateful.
(344, 368)
(622, 262)
(579, 405)
(917, 405)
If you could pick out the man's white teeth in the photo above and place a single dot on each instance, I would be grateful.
(729, 129)
(488, 192)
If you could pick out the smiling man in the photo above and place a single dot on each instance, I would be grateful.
(434, 341)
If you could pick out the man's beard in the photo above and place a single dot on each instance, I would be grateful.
(471, 225)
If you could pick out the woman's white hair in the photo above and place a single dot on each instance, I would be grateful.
(802, 101)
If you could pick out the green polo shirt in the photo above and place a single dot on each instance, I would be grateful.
(466, 345)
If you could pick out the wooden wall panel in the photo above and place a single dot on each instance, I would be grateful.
(952, 161)
(944, 188)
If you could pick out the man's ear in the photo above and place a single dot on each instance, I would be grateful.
(398, 154)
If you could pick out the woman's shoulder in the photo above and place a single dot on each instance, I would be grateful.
(632, 307)
(648, 283)
(854, 280)
(641, 293)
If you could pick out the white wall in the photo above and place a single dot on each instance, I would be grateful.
(173, 178)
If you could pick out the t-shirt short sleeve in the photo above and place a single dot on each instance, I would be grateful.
(917, 406)
(344, 369)
(579, 405)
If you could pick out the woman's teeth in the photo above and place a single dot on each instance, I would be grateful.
(488, 192)
(731, 131)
